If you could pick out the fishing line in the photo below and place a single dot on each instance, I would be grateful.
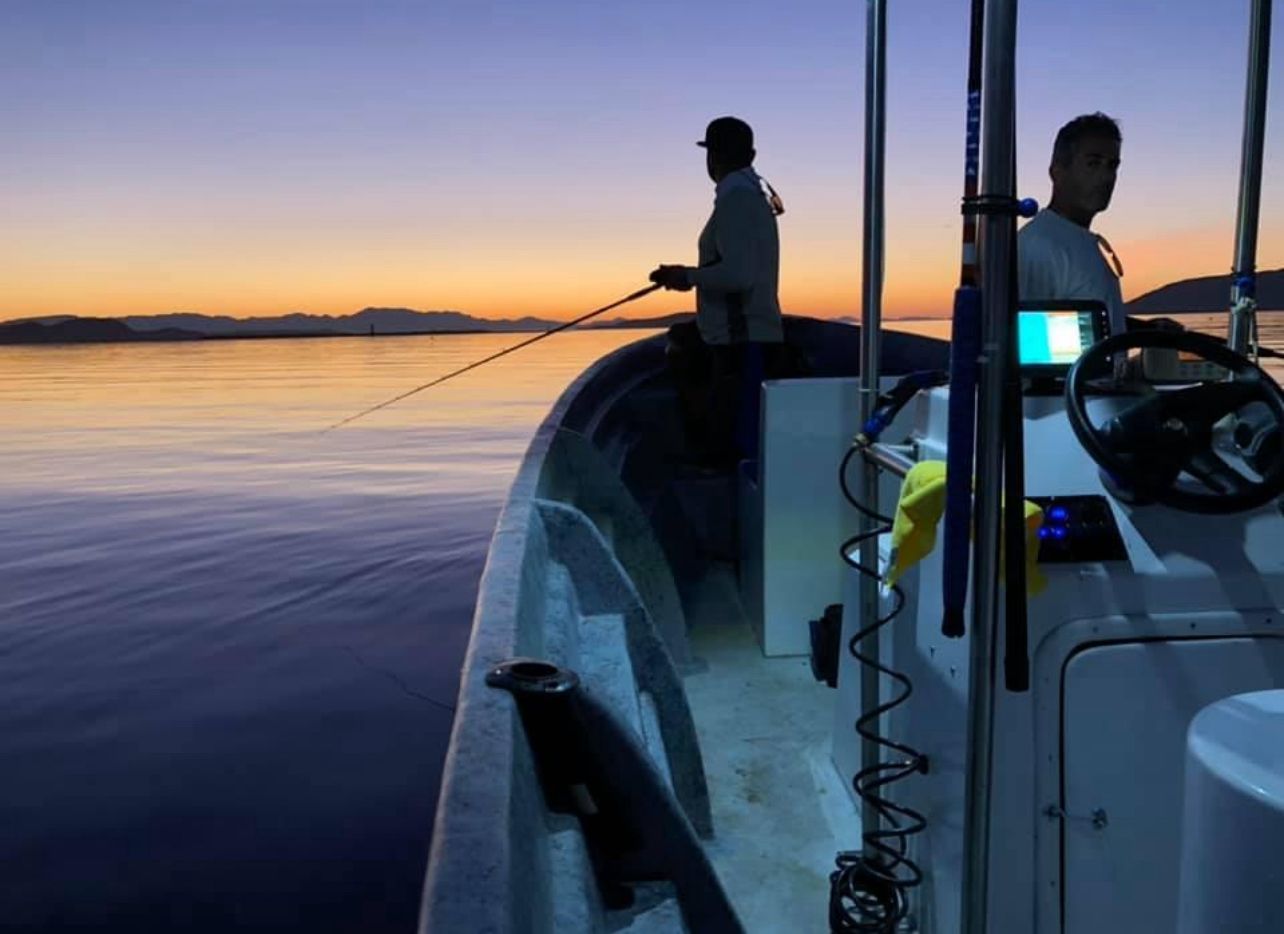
(495, 356)
(396, 679)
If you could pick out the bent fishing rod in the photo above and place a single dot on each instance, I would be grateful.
(495, 356)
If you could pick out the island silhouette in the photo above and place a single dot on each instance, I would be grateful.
(1203, 294)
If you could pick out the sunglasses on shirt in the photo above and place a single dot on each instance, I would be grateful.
(777, 206)
(1108, 252)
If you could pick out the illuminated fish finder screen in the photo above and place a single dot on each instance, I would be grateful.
(1051, 336)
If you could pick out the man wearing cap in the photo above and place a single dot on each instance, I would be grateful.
(736, 285)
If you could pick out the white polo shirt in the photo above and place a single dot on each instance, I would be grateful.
(1058, 259)
(739, 266)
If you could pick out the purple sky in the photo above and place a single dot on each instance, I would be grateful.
(501, 158)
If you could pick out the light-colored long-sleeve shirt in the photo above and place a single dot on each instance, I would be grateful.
(739, 271)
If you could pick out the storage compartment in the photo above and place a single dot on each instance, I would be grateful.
(1125, 711)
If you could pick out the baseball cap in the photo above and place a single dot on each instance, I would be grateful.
(728, 134)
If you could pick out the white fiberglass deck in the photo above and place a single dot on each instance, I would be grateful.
(780, 810)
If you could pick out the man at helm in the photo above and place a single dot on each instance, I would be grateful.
(1060, 256)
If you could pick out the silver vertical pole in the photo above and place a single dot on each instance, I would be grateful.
(996, 247)
(1243, 309)
(870, 345)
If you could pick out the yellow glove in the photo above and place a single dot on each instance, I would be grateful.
(919, 511)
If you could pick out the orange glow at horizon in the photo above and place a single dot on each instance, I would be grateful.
(820, 275)
(519, 258)
(530, 280)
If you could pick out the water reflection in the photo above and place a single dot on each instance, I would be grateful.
(225, 637)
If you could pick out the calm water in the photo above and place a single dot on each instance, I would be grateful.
(226, 639)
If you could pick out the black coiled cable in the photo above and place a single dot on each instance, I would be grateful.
(871, 894)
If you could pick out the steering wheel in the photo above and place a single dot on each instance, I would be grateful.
(1148, 446)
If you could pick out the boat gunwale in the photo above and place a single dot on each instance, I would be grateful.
(469, 845)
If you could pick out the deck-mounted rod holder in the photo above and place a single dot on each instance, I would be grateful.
(590, 764)
(543, 692)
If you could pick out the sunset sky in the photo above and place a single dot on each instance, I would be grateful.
(252, 157)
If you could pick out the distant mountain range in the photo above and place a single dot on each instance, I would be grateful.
(1207, 294)
(192, 326)
(366, 321)
(73, 330)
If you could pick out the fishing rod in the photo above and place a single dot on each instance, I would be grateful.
(1016, 642)
(495, 356)
(965, 348)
